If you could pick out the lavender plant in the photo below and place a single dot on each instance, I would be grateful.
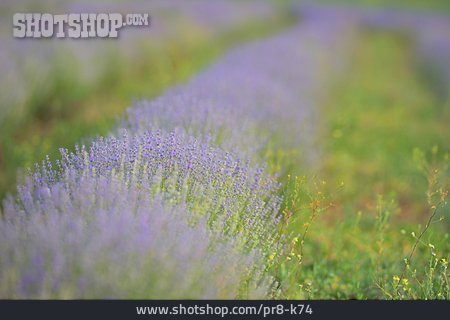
(133, 206)
(96, 237)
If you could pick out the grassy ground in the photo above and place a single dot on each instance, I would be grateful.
(70, 111)
(384, 174)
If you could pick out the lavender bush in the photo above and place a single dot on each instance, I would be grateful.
(155, 210)
(88, 237)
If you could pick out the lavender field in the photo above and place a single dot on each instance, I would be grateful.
(230, 150)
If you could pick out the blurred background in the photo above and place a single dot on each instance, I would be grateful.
(55, 92)
(382, 130)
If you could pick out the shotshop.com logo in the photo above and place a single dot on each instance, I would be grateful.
(74, 25)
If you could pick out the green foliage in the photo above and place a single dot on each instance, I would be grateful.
(378, 227)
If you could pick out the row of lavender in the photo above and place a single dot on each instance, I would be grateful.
(432, 40)
(174, 204)
(428, 30)
(26, 63)
(255, 91)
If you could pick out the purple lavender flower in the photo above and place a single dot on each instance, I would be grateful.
(157, 210)
(87, 237)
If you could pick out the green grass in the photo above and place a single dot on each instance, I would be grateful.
(383, 175)
(66, 110)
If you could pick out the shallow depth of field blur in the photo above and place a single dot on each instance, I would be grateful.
(336, 112)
